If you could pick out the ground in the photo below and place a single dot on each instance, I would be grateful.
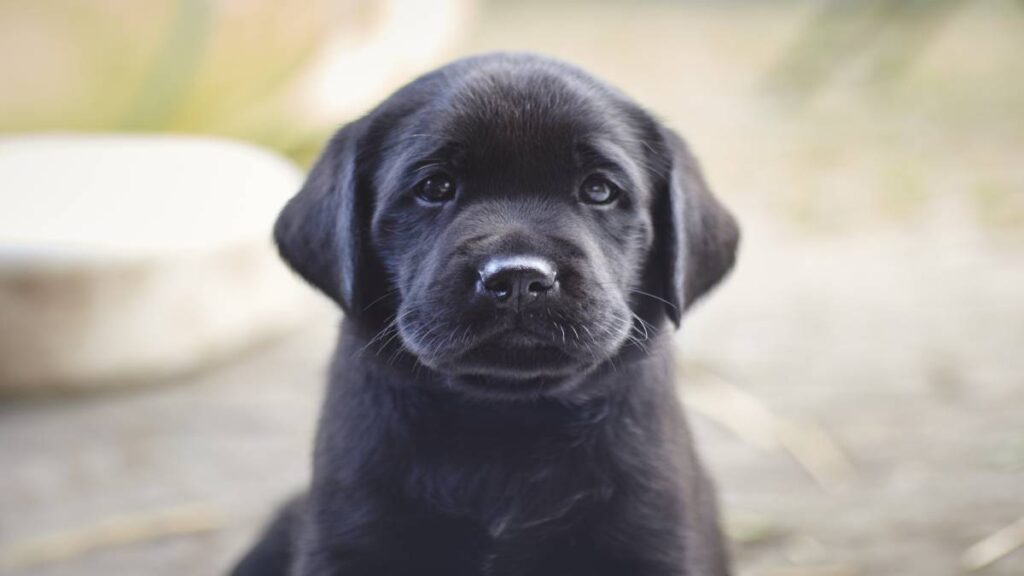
(857, 386)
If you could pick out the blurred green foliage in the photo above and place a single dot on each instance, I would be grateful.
(888, 34)
(192, 66)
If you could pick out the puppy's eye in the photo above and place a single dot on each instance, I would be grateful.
(436, 189)
(598, 190)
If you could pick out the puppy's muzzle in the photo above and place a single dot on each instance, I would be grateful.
(517, 281)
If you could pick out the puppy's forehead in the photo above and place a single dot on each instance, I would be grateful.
(529, 109)
(521, 109)
(526, 115)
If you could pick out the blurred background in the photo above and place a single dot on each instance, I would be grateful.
(857, 385)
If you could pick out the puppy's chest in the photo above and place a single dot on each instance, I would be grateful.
(506, 481)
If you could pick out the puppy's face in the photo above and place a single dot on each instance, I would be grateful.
(513, 216)
(514, 229)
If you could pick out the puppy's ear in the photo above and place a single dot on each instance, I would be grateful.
(698, 235)
(320, 232)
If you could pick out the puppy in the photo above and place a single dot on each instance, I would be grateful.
(512, 242)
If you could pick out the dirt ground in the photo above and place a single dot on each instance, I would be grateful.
(857, 386)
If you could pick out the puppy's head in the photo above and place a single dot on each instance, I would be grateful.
(513, 221)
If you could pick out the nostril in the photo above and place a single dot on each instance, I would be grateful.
(540, 286)
(500, 287)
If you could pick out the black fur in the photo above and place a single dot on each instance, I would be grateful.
(462, 436)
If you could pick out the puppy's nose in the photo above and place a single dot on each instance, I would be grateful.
(517, 280)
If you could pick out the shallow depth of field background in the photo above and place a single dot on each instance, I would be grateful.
(856, 387)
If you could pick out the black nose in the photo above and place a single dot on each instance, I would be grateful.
(518, 279)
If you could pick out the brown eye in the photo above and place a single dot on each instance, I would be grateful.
(597, 190)
(436, 189)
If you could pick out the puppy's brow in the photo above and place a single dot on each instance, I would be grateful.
(436, 155)
(609, 156)
(598, 152)
(426, 166)
(606, 157)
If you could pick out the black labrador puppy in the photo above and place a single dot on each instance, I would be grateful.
(509, 239)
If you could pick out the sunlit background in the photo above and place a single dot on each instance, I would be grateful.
(857, 386)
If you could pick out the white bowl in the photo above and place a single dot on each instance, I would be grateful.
(128, 258)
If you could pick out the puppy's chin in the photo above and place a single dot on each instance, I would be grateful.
(498, 388)
(514, 358)
(512, 366)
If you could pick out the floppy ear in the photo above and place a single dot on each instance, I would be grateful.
(320, 232)
(698, 235)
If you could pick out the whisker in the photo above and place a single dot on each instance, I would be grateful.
(382, 297)
(658, 298)
(392, 322)
(643, 325)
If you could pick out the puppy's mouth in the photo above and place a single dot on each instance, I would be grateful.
(515, 354)
(533, 350)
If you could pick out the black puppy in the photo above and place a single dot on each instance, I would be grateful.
(508, 238)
